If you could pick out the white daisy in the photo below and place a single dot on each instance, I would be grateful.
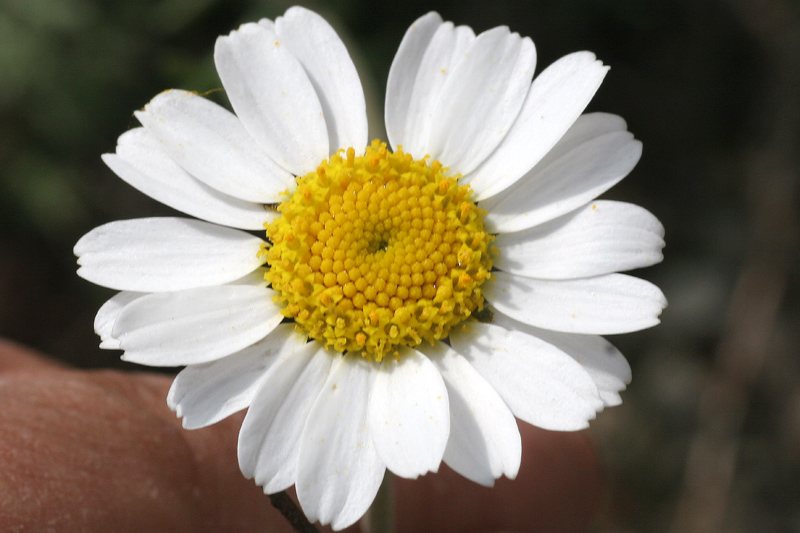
(350, 333)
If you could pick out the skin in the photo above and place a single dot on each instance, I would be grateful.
(100, 451)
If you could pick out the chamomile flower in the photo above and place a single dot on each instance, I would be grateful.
(410, 298)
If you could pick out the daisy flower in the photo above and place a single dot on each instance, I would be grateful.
(410, 298)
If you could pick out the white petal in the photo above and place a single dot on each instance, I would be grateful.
(107, 315)
(108, 312)
(273, 97)
(409, 415)
(206, 393)
(332, 73)
(269, 441)
(602, 361)
(444, 53)
(484, 439)
(338, 472)
(540, 384)
(555, 100)
(166, 254)
(196, 325)
(403, 76)
(600, 238)
(213, 146)
(602, 305)
(256, 278)
(142, 163)
(561, 184)
(481, 99)
(586, 127)
(424, 61)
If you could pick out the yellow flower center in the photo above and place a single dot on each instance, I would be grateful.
(378, 251)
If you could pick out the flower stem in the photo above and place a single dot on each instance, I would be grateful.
(282, 502)
(380, 517)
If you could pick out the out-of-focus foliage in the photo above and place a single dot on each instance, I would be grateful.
(696, 81)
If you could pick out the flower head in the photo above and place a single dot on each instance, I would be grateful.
(409, 300)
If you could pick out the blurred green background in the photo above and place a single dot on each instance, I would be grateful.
(708, 436)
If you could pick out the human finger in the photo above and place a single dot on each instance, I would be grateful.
(100, 450)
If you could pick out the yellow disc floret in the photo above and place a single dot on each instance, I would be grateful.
(376, 251)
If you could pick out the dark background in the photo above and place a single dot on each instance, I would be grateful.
(708, 436)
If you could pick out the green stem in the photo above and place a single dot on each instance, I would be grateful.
(282, 502)
(380, 517)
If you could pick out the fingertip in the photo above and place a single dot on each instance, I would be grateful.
(17, 358)
(558, 489)
(92, 437)
(227, 501)
(100, 451)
